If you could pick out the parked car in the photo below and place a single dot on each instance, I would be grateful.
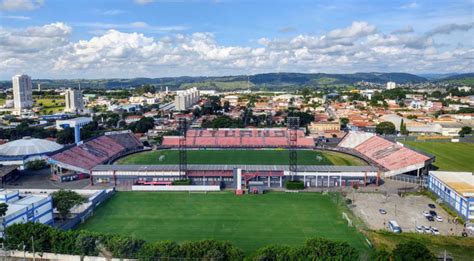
(431, 205)
(426, 213)
(434, 231)
(433, 213)
(439, 218)
(420, 229)
(430, 218)
(427, 229)
(382, 211)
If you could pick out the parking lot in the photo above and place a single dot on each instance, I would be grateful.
(406, 211)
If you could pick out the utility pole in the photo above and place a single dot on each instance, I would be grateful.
(33, 247)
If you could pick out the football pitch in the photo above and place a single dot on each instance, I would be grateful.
(449, 156)
(248, 157)
(249, 221)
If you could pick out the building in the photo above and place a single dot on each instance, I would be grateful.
(324, 126)
(22, 209)
(464, 89)
(456, 189)
(391, 85)
(22, 92)
(185, 99)
(71, 123)
(20, 152)
(74, 101)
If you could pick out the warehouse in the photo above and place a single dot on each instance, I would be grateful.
(456, 189)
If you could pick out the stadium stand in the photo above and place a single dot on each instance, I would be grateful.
(394, 158)
(93, 152)
(237, 138)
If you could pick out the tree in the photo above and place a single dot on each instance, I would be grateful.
(305, 118)
(344, 122)
(465, 130)
(35, 164)
(403, 128)
(65, 136)
(385, 128)
(143, 125)
(64, 200)
(3, 209)
(412, 250)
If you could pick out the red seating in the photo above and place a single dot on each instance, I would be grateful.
(235, 138)
(388, 154)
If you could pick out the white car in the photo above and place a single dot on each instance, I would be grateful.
(434, 231)
(420, 229)
(439, 218)
(426, 213)
(427, 230)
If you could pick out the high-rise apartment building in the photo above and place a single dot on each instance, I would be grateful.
(74, 101)
(185, 99)
(22, 92)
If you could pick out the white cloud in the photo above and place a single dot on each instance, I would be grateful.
(356, 30)
(412, 5)
(21, 5)
(449, 28)
(113, 12)
(143, 2)
(48, 51)
(15, 17)
(138, 25)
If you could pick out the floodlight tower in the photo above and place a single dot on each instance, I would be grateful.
(293, 126)
(183, 157)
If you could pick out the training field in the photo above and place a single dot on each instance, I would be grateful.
(449, 156)
(249, 221)
(248, 157)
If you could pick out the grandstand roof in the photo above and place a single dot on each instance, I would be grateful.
(28, 146)
(315, 168)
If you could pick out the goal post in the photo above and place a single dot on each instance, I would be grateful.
(346, 217)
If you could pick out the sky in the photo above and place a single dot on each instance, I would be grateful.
(159, 38)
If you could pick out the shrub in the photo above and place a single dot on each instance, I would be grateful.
(35, 164)
(294, 185)
(182, 182)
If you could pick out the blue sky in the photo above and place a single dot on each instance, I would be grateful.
(134, 38)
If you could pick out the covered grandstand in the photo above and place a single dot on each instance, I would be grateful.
(76, 162)
(225, 175)
(239, 138)
(392, 157)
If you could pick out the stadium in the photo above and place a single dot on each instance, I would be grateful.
(223, 156)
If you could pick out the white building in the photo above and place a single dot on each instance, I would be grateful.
(185, 99)
(71, 123)
(32, 208)
(22, 92)
(74, 101)
(464, 89)
(456, 189)
(391, 85)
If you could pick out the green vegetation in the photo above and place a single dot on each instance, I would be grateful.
(50, 105)
(249, 221)
(460, 248)
(64, 200)
(218, 85)
(294, 185)
(250, 157)
(2, 101)
(449, 156)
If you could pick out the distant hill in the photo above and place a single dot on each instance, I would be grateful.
(436, 76)
(459, 79)
(269, 81)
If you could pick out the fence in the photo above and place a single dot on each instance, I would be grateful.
(94, 202)
(176, 188)
(410, 179)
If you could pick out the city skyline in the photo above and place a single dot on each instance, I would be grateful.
(127, 39)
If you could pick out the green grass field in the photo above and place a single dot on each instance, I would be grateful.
(249, 157)
(449, 156)
(249, 221)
